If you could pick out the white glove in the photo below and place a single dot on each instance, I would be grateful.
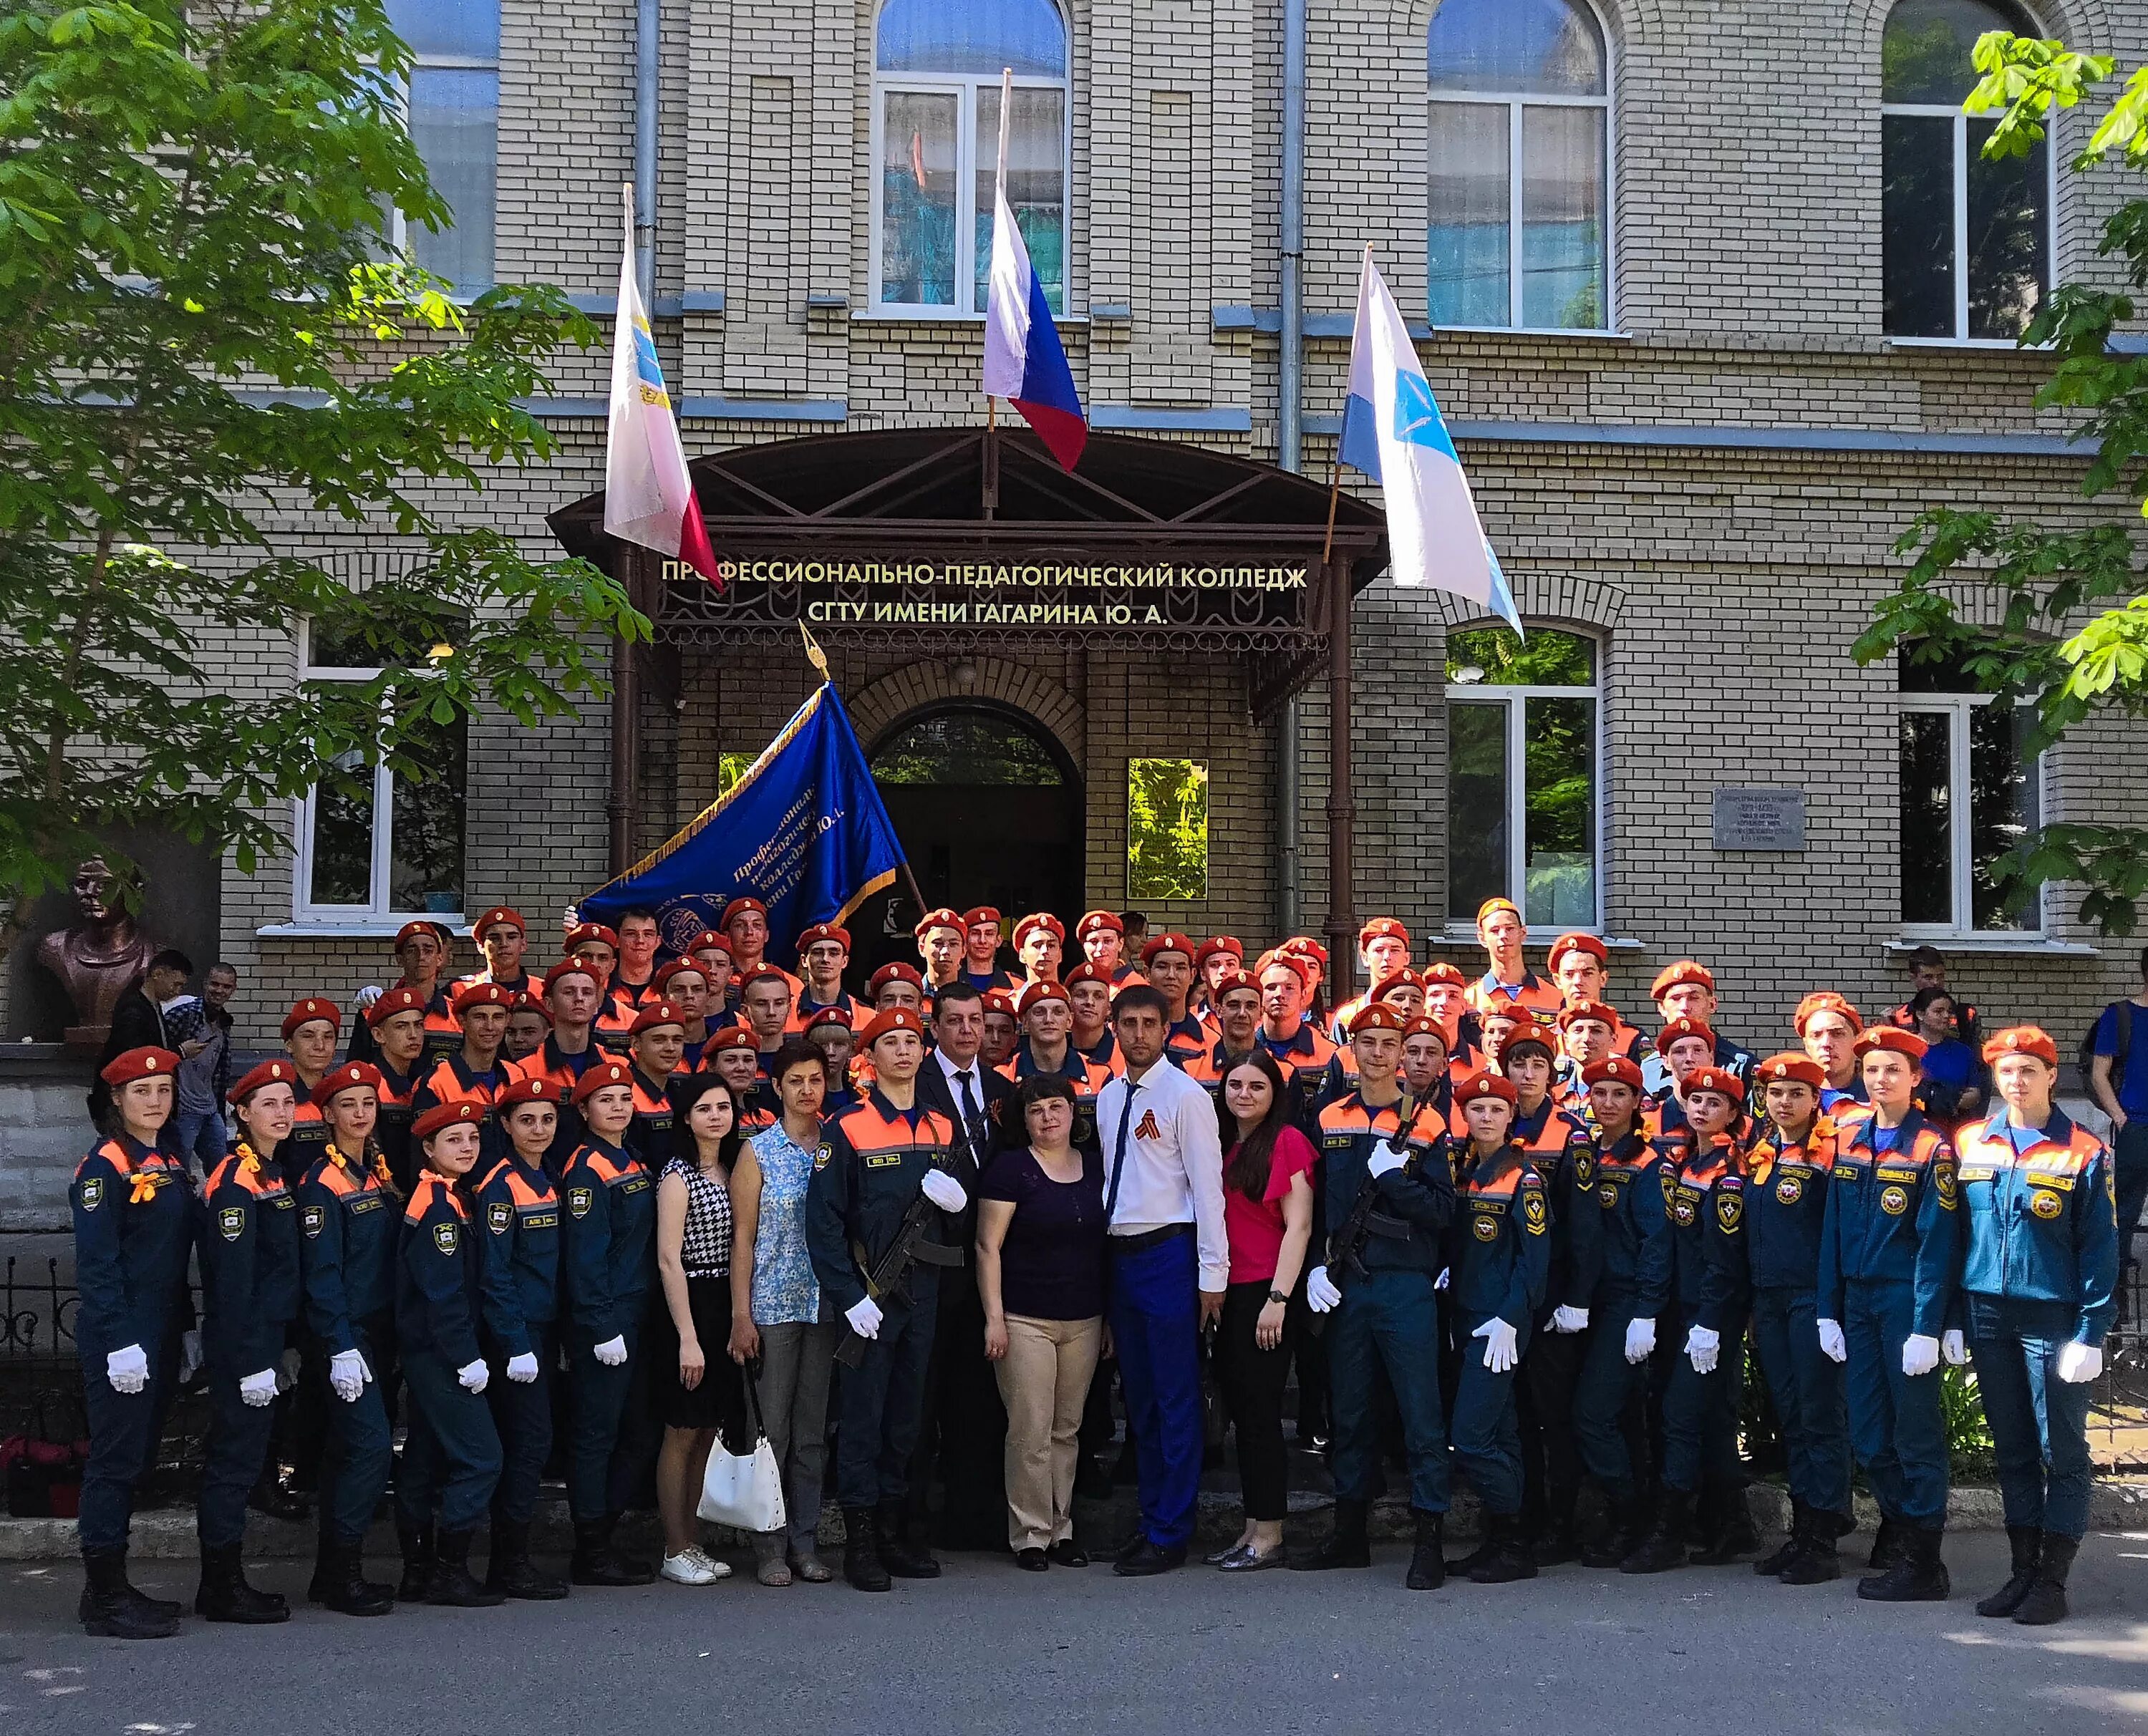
(570, 919)
(474, 1375)
(1385, 1158)
(367, 995)
(864, 1317)
(190, 1353)
(1321, 1294)
(1640, 1340)
(259, 1389)
(1564, 1319)
(1439, 1283)
(522, 1369)
(126, 1370)
(1920, 1355)
(1832, 1344)
(2078, 1361)
(1500, 1342)
(612, 1351)
(347, 1374)
(286, 1369)
(944, 1190)
(1952, 1348)
(1703, 1349)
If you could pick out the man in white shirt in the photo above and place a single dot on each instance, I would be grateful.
(1168, 1263)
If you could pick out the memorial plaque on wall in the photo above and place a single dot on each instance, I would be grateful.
(1764, 818)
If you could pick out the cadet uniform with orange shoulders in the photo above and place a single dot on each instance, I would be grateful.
(561, 1071)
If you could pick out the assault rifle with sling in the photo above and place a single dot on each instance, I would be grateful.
(1345, 1247)
(890, 1274)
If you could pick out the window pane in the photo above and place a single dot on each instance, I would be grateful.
(1500, 657)
(1476, 806)
(2003, 809)
(1466, 240)
(1563, 217)
(918, 200)
(465, 29)
(1559, 741)
(2009, 237)
(1534, 46)
(1916, 166)
(1927, 837)
(343, 838)
(973, 35)
(455, 123)
(425, 862)
(1037, 185)
(968, 747)
(1925, 673)
(1924, 57)
(1166, 829)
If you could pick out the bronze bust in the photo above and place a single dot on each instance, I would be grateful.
(99, 956)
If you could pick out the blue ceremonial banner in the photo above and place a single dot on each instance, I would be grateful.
(803, 830)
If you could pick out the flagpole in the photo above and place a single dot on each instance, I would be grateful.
(818, 659)
(1334, 492)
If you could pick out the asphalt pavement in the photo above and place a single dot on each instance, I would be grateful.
(1712, 1650)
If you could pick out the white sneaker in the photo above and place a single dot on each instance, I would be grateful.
(690, 1567)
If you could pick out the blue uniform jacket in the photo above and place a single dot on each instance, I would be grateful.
(1416, 1200)
(248, 1247)
(133, 1230)
(1786, 1206)
(1893, 1214)
(872, 1161)
(1563, 1155)
(1498, 1250)
(2042, 1224)
(436, 1275)
(1635, 1240)
(520, 1208)
(1705, 1196)
(347, 1226)
(610, 1227)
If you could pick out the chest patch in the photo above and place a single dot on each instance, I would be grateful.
(1484, 1227)
(1682, 1213)
(1607, 1195)
(2045, 1203)
(1789, 1189)
(1894, 1200)
(231, 1222)
(884, 1159)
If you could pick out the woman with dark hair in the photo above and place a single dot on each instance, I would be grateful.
(1952, 1089)
(1267, 1212)
(1041, 1276)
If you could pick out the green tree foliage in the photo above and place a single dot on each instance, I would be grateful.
(1166, 829)
(203, 330)
(1972, 567)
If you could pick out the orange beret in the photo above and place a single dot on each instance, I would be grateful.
(1676, 976)
(731, 1036)
(1581, 1010)
(1443, 971)
(1308, 947)
(393, 1001)
(349, 1076)
(656, 1014)
(1487, 1085)
(1036, 994)
(894, 1019)
(739, 907)
(1492, 906)
(467, 1112)
(1086, 972)
(2023, 1040)
(587, 934)
(830, 1015)
(269, 1072)
(568, 967)
(1793, 1069)
(1218, 945)
(1825, 1001)
(306, 1011)
(823, 931)
(1375, 1016)
(149, 1062)
(1577, 943)
(603, 1074)
(1617, 1069)
(1170, 941)
(1098, 922)
(1040, 919)
(1891, 1036)
(941, 918)
(473, 995)
(898, 971)
(1383, 928)
(1681, 1028)
(1533, 1029)
(680, 967)
(1290, 962)
(1720, 1079)
(492, 918)
(531, 1090)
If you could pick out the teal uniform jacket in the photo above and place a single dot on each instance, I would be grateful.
(1893, 1214)
(2042, 1219)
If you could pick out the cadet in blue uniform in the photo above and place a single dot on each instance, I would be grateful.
(1889, 1276)
(656, 1041)
(2040, 1208)
(1705, 1193)
(1828, 1027)
(450, 1452)
(1500, 1257)
(133, 1229)
(1787, 1168)
(1633, 1286)
(874, 1160)
(519, 1209)
(349, 1217)
(608, 1265)
(248, 1247)
(1381, 1296)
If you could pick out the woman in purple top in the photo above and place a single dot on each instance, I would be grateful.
(1041, 1274)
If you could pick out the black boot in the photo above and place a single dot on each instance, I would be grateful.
(107, 1613)
(170, 1607)
(862, 1563)
(1818, 1560)
(896, 1555)
(1511, 1557)
(420, 1549)
(1664, 1547)
(1777, 1560)
(1428, 1568)
(1487, 1524)
(2025, 1541)
(596, 1562)
(224, 1595)
(1732, 1535)
(342, 1585)
(451, 1584)
(1625, 1524)
(1887, 1544)
(511, 1573)
(2047, 1602)
(270, 1496)
(1557, 1541)
(1345, 1546)
(1917, 1577)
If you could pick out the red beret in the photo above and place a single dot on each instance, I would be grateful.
(1443, 971)
(1230, 982)
(741, 906)
(710, 939)
(349, 1076)
(895, 1018)
(1825, 1001)
(481, 994)
(1529, 1029)
(531, 1090)
(1404, 978)
(394, 1001)
(1306, 945)
(1617, 1068)
(898, 971)
(1098, 922)
(1891, 1037)
(2023, 1040)
(1215, 945)
(269, 1072)
(941, 918)
(1290, 962)
(1720, 1079)
(525, 1001)
(823, 931)
(410, 930)
(584, 934)
(979, 914)
(1577, 943)
(1375, 1016)
(306, 1011)
(467, 1112)
(998, 1000)
(1086, 972)
(731, 1036)
(1170, 941)
(1676, 976)
(1425, 1025)
(596, 1078)
(1040, 919)
(568, 967)
(1582, 1010)
(1795, 1069)
(1383, 928)
(144, 1063)
(766, 973)
(680, 967)
(492, 918)
(1682, 1027)
(655, 1014)
(1492, 906)
(1038, 993)
(827, 1015)
(1487, 1085)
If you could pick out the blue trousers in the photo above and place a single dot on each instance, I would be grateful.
(1606, 1386)
(359, 1453)
(124, 1429)
(1488, 1431)
(1807, 1387)
(1897, 1423)
(1389, 1320)
(598, 1396)
(1700, 1411)
(882, 1400)
(237, 1448)
(450, 1452)
(2039, 1423)
(1155, 1300)
(522, 1418)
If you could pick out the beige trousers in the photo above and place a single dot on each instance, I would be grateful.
(1044, 1381)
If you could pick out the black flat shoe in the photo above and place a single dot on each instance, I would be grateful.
(1246, 1560)
(1031, 1561)
(1148, 1560)
(1067, 1553)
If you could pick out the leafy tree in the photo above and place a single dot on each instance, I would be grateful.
(203, 329)
(1971, 567)
(1166, 829)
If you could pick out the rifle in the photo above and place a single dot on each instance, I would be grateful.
(1345, 1247)
(890, 1274)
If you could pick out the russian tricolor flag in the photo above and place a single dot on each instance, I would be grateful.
(1024, 361)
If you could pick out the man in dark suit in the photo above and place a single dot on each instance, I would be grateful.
(137, 1022)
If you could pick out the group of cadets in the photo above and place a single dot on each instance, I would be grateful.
(1546, 1237)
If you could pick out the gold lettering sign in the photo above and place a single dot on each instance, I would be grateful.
(1012, 576)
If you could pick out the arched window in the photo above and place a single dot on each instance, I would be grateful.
(935, 144)
(1966, 244)
(1519, 131)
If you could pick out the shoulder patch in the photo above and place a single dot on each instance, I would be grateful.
(1730, 1208)
(93, 1192)
(1536, 1216)
(1945, 1179)
(446, 1237)
(580, 1200)
(313, 1219)
(821, 1156)
(231, 1222)
(497, 1216)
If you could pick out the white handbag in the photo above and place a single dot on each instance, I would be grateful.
(745, 1490)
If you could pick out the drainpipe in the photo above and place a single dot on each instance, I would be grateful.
(647, 18)
(1290, 427)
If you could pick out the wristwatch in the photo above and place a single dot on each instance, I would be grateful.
(1278, 1296)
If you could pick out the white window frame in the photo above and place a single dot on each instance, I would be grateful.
(398, 225)
(1515, 103)
(377, 911)
(1515, 700)
(965, 86)
(1957, 707)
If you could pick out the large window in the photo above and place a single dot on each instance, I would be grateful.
(453, 103)
(1969, 796)
(1520, 132)
(1523, 760)
(1166, 829)
(383, 847)
(1966, 245)
(936, 149)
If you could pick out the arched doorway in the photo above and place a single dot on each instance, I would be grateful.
(990, 810)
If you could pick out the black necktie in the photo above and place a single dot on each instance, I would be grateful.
(1119, 1153)
(972, 1116)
